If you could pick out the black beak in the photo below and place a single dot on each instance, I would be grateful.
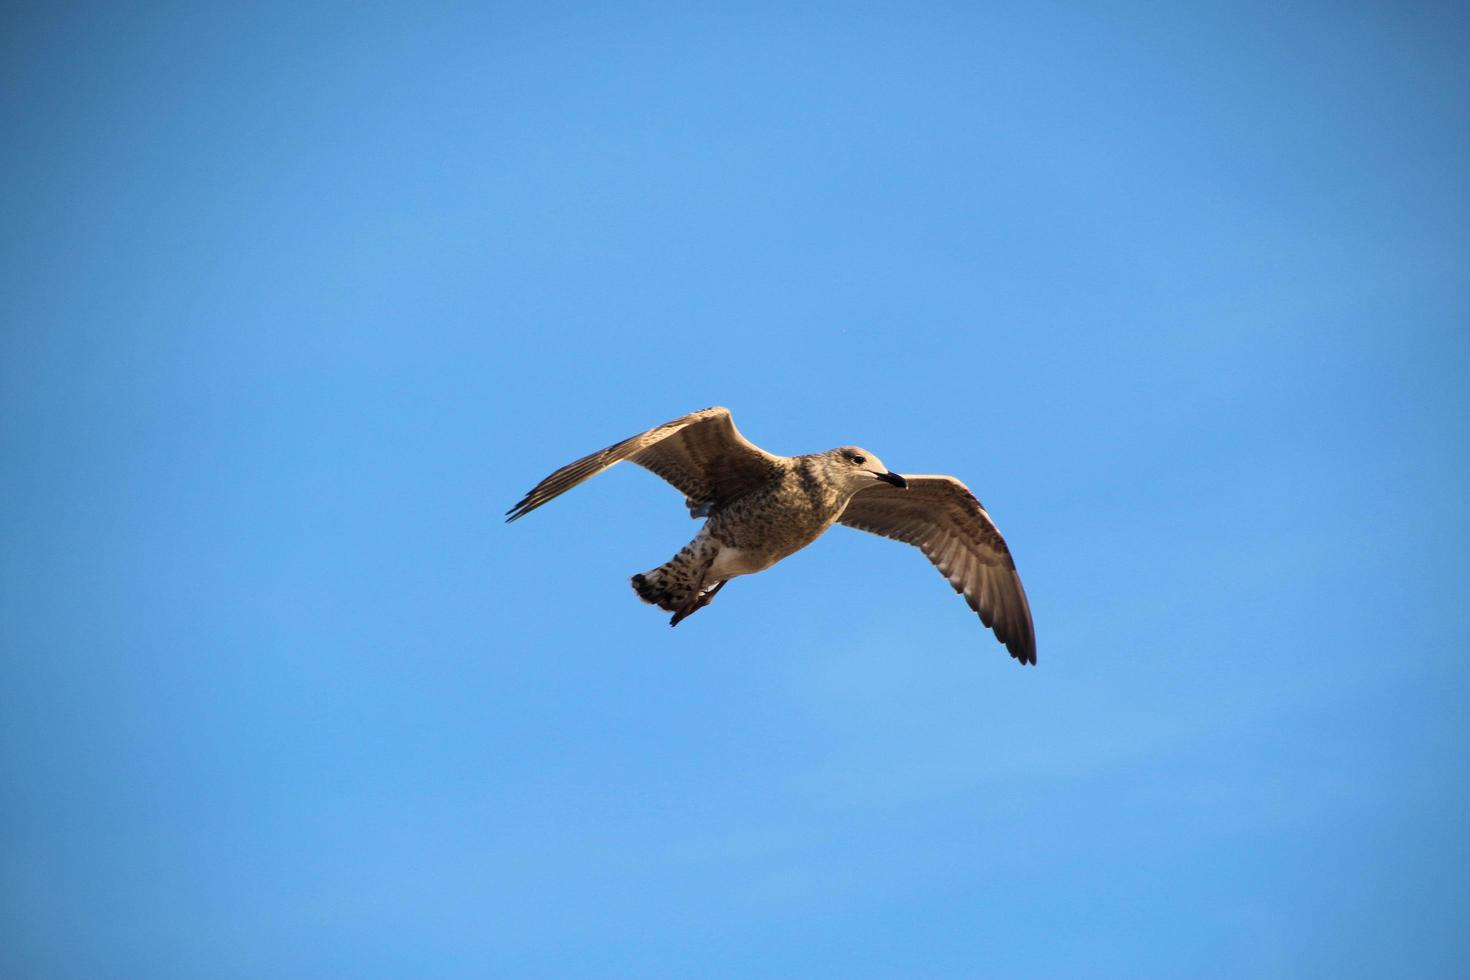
(894, 479)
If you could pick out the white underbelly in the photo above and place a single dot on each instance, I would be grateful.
(731, 562)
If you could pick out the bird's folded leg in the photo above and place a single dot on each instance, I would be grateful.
(696, 602)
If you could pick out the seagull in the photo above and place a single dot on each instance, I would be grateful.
(760, 508)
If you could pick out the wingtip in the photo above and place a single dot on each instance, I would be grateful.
(519, 510)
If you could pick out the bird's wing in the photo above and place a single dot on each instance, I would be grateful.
(940, 516)
(701, 454)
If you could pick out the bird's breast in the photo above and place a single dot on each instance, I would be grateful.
(760, 530)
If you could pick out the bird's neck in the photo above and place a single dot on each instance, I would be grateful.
(826, 490)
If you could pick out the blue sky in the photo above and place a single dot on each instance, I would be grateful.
(297, 300)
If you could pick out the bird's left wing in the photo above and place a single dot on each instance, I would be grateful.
(701, 454)
(940, 516)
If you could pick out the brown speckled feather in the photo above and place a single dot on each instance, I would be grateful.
(701, 454)
(940, 516)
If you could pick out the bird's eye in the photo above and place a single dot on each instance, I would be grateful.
(859, 460)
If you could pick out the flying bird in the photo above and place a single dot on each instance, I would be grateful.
(760, 508)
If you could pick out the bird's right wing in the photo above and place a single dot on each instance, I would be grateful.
(701, 454)
(940, 516)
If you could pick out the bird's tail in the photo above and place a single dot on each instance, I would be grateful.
(673, 584)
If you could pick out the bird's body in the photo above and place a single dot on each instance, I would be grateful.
(750, 533)
(778, 518)
(761, 508)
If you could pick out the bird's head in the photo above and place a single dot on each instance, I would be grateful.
(861, 468)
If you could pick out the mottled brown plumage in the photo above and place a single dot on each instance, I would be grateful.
(762, 508)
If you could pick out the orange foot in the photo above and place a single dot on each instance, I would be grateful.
(695, 604)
